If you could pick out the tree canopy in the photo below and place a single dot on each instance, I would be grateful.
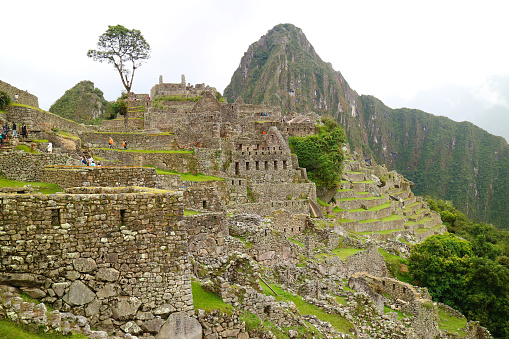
(322, 154)
(126, 49)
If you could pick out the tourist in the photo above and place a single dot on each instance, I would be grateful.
(84, 161)
(124, 144)
(111, 142)
(90, 161)
(14, 134)
(24, 132)
(50, 147)
(16, 97)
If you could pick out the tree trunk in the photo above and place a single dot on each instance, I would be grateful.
(126, 119)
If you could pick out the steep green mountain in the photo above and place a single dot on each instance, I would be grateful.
(450, 160)
(81, 103)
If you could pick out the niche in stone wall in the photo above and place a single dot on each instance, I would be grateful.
(266, 165)
(55, 217)
(284, 165)
(122, 217)
(257, 163)
(275, 165)
(204, 204)
(236, 168)
(247, 166)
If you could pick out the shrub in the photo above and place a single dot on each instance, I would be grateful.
(5, 100)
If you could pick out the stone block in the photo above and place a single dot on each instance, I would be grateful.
(180, 326)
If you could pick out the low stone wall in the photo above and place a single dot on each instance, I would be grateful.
(76, 176)
(264, 209)
(202, 199)
(217, 324)
(138, 141)
(25, 98)
(168, 181)
(180, 162)
(290, 225)
(284, 191)
(114, 257)
(24, 166)
(118, 125)
(377, 226)
(39, 120)
(369, 261)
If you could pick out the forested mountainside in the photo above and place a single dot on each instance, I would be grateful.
(450, 160)
(81, 103)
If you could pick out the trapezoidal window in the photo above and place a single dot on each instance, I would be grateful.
(284, 165)
(257, 165)
(275, 165)
(247, 166)
(55, 217)
(237, 168)
(204, 204)
(266, 165)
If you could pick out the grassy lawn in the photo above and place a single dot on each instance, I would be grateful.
(190, 176)
(10, 330)
(451, 324)
(374, 208)
(208, 301)
(144, 151)
(67, 135)
(421, 230)
(337, 210)
(401, 315)
(338, 322)
(343, 253)
(187, 212)
(383, 232)
(321, 202)
(345, 220)
(392, 217)
(297, 242)
(39, 187)
(25, 148)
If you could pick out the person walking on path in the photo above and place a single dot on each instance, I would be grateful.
(14, 134)
(50, 147)
(111, 142)
(124, 144)
(16, 98)
(24, 132)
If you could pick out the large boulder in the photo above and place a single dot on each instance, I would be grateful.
(180, 326)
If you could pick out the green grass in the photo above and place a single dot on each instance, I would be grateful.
(337, 210)
(10, 330)
(25, 148)
(421, 230)
(393, 263)
(321, 202)
(451, 324)
(208, 301)
(305, 308)
(383, 232)
(341, 300)
(40, 187)
(67, 135)
(374, 208)
(40, 140)
(187, 212)
(144, 151)
(401, 315)
(189, 176)
(392, 217)
(297, 242)
(345, 220)
(343, 253)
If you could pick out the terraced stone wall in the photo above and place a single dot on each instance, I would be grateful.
(39, 120)
(134, 140)
(180, 162)
(76, 176)
(118, 125)
(25, 98)
(265, 209)
(24, 166)
(117, 256)
(206, 234)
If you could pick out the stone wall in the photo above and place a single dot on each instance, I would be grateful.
(118, 125)
(202, 199)
(284, 191)
(369, 261)
(24, 166)
(25, 98)
(77, 176)
(416, 302)
(206, 234)
(39, 120)
(138, 141)
(115, 255)
(288, 224)
(267, 208)
(177, 161)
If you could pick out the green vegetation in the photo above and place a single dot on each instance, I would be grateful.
(208, 301)
(39, 187)
(78, 102)
(5, 100)
(189, 176)
(188, 212)
(343, 253)
(10, 330)
(401, 315)
(451, 324)
(397, 266)
(305, 308)
(145, 151)
(471, 277)
(322, 154)
(25, 148)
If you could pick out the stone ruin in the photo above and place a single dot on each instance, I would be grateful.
(117, 248)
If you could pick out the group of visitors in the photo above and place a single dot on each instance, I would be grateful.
(5, 130)
(110, 143)
(89, 162)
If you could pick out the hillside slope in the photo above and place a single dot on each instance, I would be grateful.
(81, 103)
(450, 160)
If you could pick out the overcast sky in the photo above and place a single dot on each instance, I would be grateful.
(444, 57)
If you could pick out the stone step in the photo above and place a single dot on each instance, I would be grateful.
(353, 176)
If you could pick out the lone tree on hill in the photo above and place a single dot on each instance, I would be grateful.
(123, 48)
